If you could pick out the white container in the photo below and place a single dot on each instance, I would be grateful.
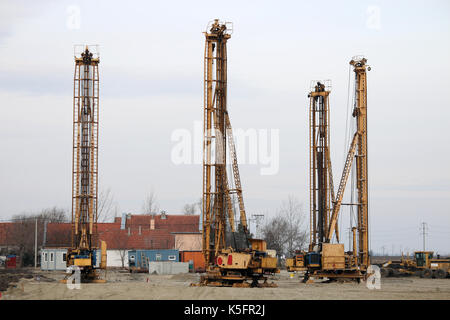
(168, 267)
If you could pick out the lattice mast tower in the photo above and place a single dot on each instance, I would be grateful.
(217, 205)
(85, 150)
(360, 112)
(321, 177)
(358, 150)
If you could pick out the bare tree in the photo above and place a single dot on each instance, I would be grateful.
(23, 231)
(274, 233)
(150, 205)
(190, 209)
(22, 237)
(55, 215)
(105, 206)
(296, 235)
(285, 232)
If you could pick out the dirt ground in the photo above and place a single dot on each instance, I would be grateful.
(123, 285)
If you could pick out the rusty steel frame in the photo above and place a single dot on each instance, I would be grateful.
(321, 178)
(360, 112)
(321, 193)
(217, 207)
(85, 150)
(357, 150)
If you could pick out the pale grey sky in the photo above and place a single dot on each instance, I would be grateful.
(151, 70)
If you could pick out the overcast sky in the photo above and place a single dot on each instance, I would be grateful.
(151, 73)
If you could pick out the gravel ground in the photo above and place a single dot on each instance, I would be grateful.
(123, 285)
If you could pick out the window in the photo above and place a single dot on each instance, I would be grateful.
(45, 257)
(158, 257)
(172, 258)
(51, 256)
(64, 256)
(420, 259)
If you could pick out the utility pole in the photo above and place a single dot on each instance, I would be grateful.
(35, 244)
(424, 233)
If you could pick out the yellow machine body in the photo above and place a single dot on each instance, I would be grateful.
(333, 256)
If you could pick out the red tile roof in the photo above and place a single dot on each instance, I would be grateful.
(148, 239)
(172, 223)
(141, 237)
(58, 235)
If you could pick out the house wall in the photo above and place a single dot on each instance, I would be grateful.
(113, 258)
(188, 242)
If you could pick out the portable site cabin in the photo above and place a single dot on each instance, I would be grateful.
(138, 259)
(56, 259)
(53, 259)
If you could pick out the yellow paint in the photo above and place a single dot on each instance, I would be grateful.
(82, 262)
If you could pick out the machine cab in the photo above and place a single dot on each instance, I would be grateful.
(422, 258)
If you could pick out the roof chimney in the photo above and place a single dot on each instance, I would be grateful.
(122, 221)
(152, 223)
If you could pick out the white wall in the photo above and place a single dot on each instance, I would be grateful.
(113, 258)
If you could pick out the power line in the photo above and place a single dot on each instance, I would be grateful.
(424, 233)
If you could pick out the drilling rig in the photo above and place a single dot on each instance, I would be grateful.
(83, 251)
(325, 259)
(231, 257)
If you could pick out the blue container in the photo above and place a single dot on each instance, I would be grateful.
(135, 256)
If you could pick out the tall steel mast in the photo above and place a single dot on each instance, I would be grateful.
(85, 149)
(226, 265)
(358, 150)
(83, 252)
(326, 259)
(321, 177)
(218, 210)
(360, 112)
(214, 170)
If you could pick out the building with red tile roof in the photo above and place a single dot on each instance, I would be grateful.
(126, 232)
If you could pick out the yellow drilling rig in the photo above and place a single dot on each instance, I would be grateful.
(84, 255)
(325, 259)
(232, 258)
